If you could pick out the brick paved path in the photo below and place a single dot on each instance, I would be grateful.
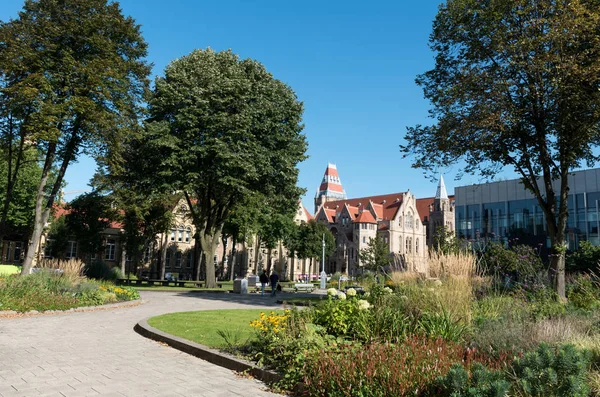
(98, 353)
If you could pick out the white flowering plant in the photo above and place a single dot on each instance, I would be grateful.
(351, 292)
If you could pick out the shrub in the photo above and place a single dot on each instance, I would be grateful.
(100, 270)
(336, 316)
(583, 292)
(478, 382)
(552, 372)
(404, 369)
(586, 258)
(441, 325)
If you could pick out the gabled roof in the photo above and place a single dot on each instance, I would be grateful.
(423, 206)
(389, 204)
(365, 217)
(308, 215)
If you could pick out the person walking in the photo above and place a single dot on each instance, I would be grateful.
(264, 280)
(274, 280)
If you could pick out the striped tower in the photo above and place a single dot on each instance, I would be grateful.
(330, 188)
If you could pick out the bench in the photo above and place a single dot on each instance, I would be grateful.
(304, 287)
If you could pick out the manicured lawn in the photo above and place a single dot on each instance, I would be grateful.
(203, 326)
(5, 270)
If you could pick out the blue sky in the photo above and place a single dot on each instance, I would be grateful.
(352, 63)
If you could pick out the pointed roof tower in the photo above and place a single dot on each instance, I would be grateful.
(441, 193)
(331, 186)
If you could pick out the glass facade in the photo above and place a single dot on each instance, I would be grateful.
(524, 220)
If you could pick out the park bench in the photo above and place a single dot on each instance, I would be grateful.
(304, 287)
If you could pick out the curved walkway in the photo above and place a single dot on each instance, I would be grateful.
(98, 353)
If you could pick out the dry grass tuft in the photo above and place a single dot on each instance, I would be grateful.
(443, 265)
(401, 277)
(71, 268)
(562, 329)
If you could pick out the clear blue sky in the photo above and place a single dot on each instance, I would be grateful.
(352, 63)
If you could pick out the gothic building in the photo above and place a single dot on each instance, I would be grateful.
(404, 222)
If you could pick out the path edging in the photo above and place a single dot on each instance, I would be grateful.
(107, 306)
(206, 353)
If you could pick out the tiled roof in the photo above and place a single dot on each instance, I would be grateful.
(308, 215)
(388, 209)
(423, 206)
(383, 226)
(365, 217)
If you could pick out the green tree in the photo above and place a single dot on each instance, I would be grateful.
(377, 254)
(310, 242)
(444, 240)
(88, 217)
(234, 131)
(78, 66)
(515, 84)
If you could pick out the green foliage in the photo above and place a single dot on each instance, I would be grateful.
(89, 215)
(310, 240)
(442, 325)
(46, 290)
(377, 254)
(336, 316)
(86, 95)
(100, 270)
(445, 240)
(583, 292)
(586, 258)
(521, 260)
(226, 130)
(59, 236)
(514, 84)
(552, 372)
(478, 382)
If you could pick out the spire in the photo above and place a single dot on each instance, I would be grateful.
(441, 190)
(331, 186)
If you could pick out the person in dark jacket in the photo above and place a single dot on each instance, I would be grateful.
(264, 280)
(274, 280)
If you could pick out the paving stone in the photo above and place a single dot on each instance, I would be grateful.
(97, 353)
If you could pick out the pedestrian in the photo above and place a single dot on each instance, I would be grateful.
(274, 280)
(264, 280)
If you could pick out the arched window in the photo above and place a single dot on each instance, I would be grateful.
(408, 224)
(188, 234)
(417, 246)
(400, 246)
(407, 245)
(178, 259)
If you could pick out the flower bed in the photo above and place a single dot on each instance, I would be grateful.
(47, 290)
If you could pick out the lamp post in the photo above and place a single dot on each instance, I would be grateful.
(323, 274)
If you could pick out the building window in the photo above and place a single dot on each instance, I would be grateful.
(386, 240)
(407, 245)
(71, 249)
(400, 246)
(189, 260)
(173, 234)
(364, 239)
(188, 235)
(178, 259)
(417, 246)
(180, 238)
(110, 249)
(168, 259)
(409, 221)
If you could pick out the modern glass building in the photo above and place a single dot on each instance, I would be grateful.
(505, 210)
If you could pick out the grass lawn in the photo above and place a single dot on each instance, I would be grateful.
(6, 270)
(202, 327)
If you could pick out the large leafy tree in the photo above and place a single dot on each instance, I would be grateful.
(376, 256)
(77, 67)
(235, 132)
(516, 83)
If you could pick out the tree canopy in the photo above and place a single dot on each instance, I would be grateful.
(73, 74)
(515, 84)
(377, 254)
(228, 130)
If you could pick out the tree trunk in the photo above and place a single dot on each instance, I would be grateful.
(269, 250)
(280, 263)
(224, 257)
(41, 216)
(257, 255)
(233, 251)
(209, 246)
(292, 266)
(163, 256)
(123, 259)
(197, 257)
